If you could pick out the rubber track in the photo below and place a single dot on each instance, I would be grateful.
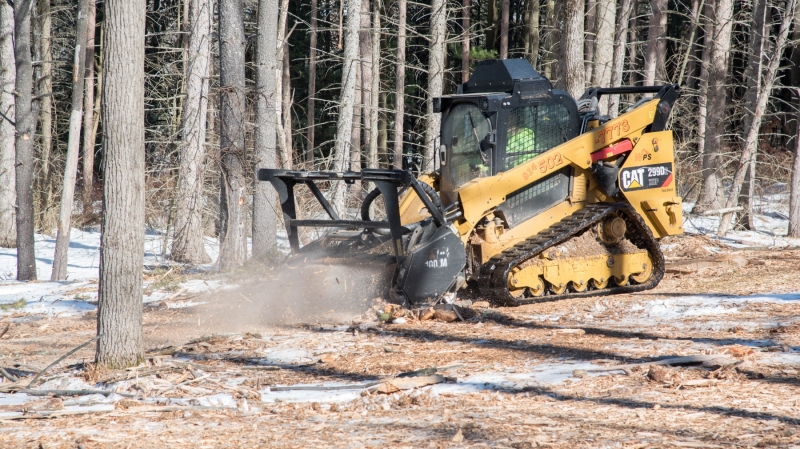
(494, 273)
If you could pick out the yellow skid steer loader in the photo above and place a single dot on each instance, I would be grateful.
(538, 197)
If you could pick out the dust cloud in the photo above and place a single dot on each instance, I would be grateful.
(312, 293)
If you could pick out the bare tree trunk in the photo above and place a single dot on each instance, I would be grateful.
(383, 132)
(375, 76)
(59, 272)
(620, 43)
(655, 59)
(697, 7)
(360, 97)
(286, 102)
(604, 48)
(344, 125)
(571, 69)
(8, 193)
(712, 195)
(532, 32)
(794, 196)
(590, 34)
(312, 83)
(367, 74)
(493, 26)
(756, 102)
(550, 41)
(465, 25)
(702, 94)
(284, 139)
(119, 311)
(264, 199)
(88, 115)
(25, 114)
(400, 85)
(233, 238)
(45, 75)
(187, 243)
(435, 79)
(503, 28)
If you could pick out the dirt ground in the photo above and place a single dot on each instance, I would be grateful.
(532, 376)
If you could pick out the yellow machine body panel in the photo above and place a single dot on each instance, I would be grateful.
(659, 206)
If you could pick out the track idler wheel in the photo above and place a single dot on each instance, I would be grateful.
(642, 277)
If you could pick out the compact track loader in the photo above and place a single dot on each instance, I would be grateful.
(538, 197)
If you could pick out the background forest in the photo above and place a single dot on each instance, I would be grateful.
(208, 121)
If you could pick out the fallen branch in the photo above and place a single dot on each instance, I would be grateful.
(8, 376)
(59, 413)
(74, 393)
(62, 358)
(260, 368)
(725, 210)
(8, 326)
(326, 387)
(671, 361)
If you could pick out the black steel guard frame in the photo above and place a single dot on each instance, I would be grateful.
(386, 180)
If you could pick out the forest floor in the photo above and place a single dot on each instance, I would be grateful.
(543, 375)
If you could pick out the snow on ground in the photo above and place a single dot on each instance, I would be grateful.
(772, 224)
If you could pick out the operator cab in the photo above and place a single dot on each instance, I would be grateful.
(503, 116)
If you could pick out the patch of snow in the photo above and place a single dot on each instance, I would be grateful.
(312, 395)
(216, 400)
(15, 399)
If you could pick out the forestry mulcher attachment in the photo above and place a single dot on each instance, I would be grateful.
(538, 197)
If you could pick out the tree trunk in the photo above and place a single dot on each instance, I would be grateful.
(45, 87)
(702, 94)
(312, 83)
(119, 310)
(435, 80)
(375, 77)
(571, 69)
(187, 242)
(264, 199)
(493, 26)
(344, 124)
(59, 272)
(757, 96)
(287, 100)
(794, 196)
(590, 34)
(367, 75)
(532, 40)
(233, 239)
(88, 115)
(25, 114)
(712, 194)
(604, 48)
(503, 28)
(465, 25)
(383, 132)
(400, 85)
(550, 40)
(655, 59)
(697, 6)
(281, 109)
(8, 193)
(354, 163)
(620, 43)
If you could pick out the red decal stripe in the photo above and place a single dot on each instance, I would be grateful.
(668, 181)
(612, 150)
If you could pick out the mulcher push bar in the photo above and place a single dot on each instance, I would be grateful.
(387, 181)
